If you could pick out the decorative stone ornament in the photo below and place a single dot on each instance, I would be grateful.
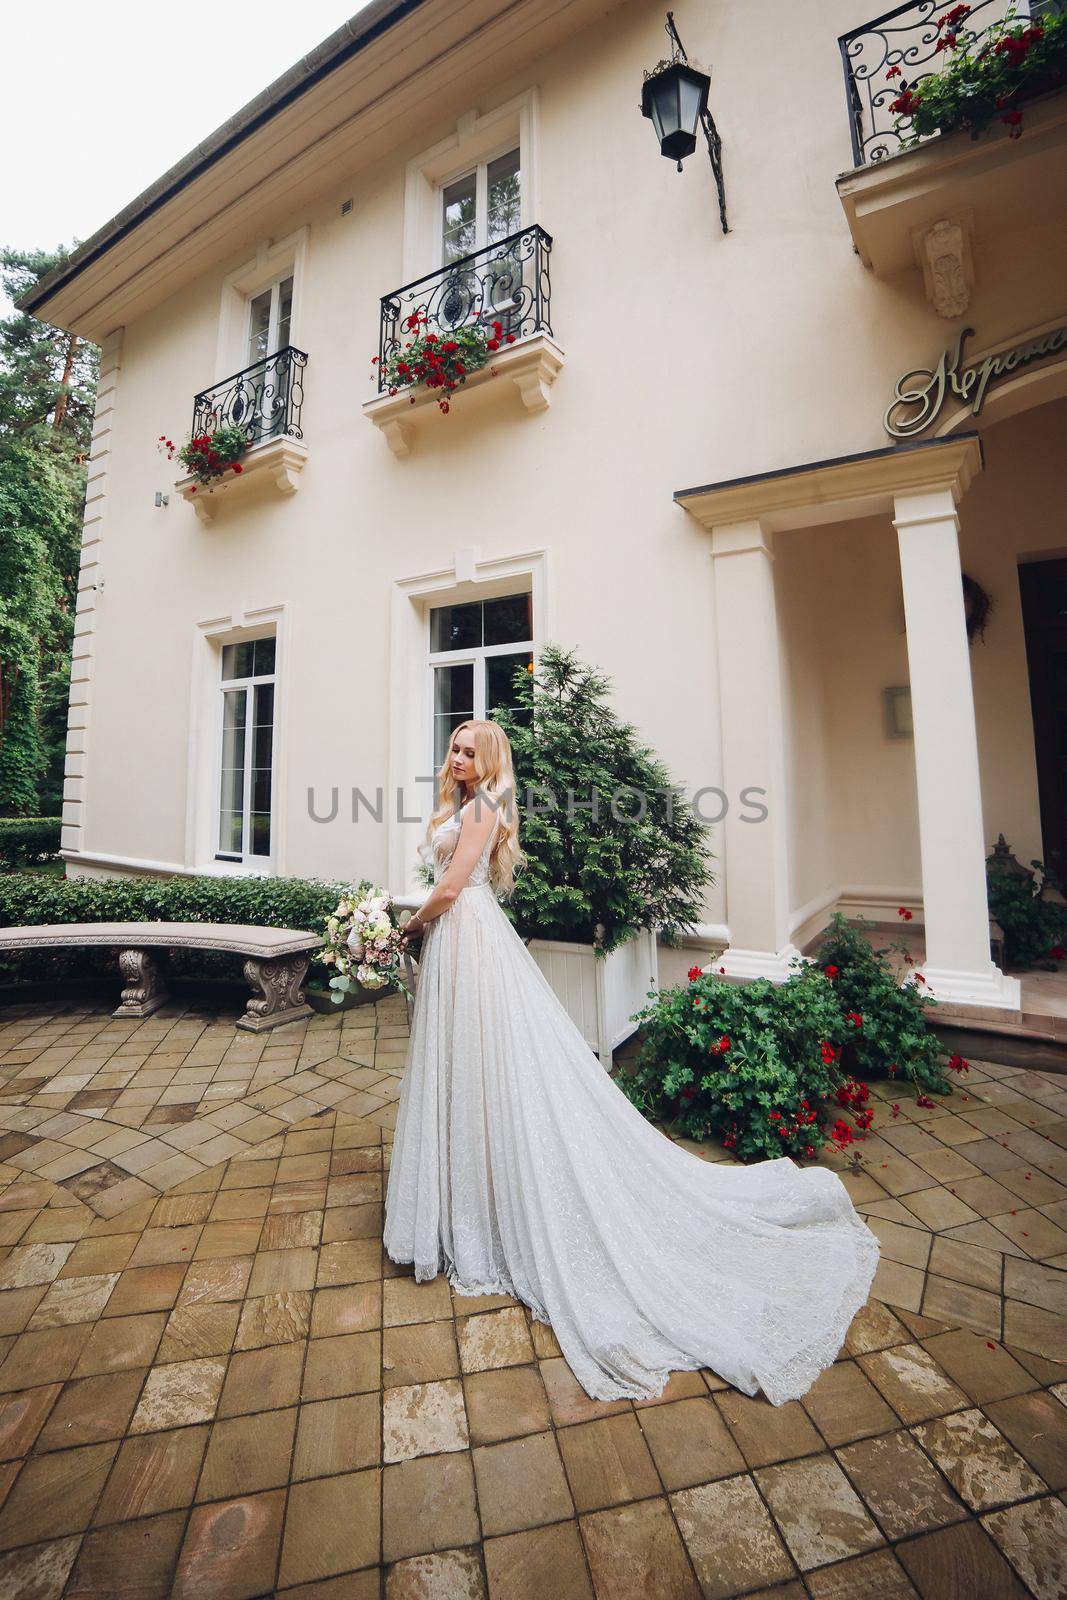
(943, 252)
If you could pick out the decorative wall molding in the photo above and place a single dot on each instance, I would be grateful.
(943, 251)
(90, 596)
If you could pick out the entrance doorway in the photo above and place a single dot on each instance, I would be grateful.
(1043, 587)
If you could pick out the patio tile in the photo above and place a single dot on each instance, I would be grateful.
(216, 1280)
(634, 1552)
(55, 1494)
(528, 1566)
(878, 1576)
(982, 1373)
(22, 1416)
(1038, 1285)
(1029, 1326)
(445, 1575)
(730, 1537)
(40, 1571)
(898, 1483)
(336, 1436)
(277, 1270)
(255, 1378)
(349, 1364)
(230, 1550)
(819, 1513)
(767, 1433)
(248, 1454)
(128, 1561)
(961, 1560)
(961, 1302)
(567, 1399)
(119, 1342)
(690, 1443)
(428, 1504)
(153, 1473)
(874, 1327)
(1036, 1424)
(424, 1419)
(406, 1301)
(199, 1330)
(92, 1410)
(141, 1289)
(845, 1405)
(274, 1319)
(183, 1392)
(912, 1383)
(494, 1339)
(521, 1484)
(977, 1460)
(1034, 1539)
(608, 1462)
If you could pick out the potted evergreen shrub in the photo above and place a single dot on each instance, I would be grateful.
(615, 856)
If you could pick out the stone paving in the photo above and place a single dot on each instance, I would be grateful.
(213, 1383)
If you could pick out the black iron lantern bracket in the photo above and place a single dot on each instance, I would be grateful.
(675, 96)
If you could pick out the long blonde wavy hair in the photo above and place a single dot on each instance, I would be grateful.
(494, 777)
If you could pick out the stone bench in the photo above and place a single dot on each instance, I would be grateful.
(276, 961)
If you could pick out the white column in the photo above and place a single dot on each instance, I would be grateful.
(958, 966)
(757, 852)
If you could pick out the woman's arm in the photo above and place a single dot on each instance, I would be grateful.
(474, 830)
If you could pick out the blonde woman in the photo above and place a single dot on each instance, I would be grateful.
(519, 1167)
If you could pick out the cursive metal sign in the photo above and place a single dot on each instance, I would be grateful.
(922, 391)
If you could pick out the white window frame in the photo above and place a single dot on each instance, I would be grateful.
(476, 138)
(274, 290)
(273, 261)
(205, 741)
(477, 656)
(411, 737)
(480, 169)
(246, 858)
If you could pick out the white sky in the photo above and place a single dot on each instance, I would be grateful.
(105, 96)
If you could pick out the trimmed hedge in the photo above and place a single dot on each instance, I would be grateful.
(23, 840)
(32, 899)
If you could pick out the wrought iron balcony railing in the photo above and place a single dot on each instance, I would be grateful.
(906, 37)
(264, 399)
(507, 282)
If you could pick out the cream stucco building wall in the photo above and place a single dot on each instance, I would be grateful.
(690, 358)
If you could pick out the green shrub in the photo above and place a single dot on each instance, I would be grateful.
(24, 840)
(30, 899)
(770, 1068)
(612, 846)
(1035, 929)
(747, 1063)
(893, 1038)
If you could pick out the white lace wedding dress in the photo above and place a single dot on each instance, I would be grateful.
(519, 1168)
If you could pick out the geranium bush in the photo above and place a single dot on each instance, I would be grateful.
(208, 456)
(779, 1069)
(750, 1064)
(440, 360)
(888, 1035)
(987, 75)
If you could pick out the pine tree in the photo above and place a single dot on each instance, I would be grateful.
(612, 846)
(47, 395)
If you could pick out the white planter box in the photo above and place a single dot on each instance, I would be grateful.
(600, 996)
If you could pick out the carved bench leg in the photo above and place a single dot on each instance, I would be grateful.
(145, 990)
(278, 994)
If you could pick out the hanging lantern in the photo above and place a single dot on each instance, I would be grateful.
(676, 99)
(674, 96)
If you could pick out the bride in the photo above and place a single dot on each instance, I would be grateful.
(520, 1168)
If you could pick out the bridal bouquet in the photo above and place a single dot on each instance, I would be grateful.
(363, 945)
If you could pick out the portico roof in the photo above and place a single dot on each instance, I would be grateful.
(841, 488)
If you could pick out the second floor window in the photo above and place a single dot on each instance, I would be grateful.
(269, 321)
(247, 751)
(478, 210)
(474, 650)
